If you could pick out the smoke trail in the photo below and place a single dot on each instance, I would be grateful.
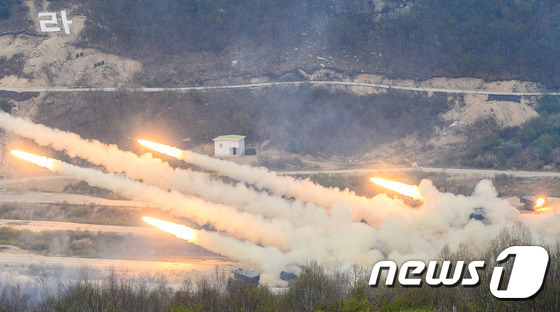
(156, 172)
(265, 179)
(369, 209)
(334, 239)
(227, 246)
(396, 231)
(244, 225)
(217, 243)
(305, 243)
(313, 223)
(445, 219)
(402, 232)
(442, 219)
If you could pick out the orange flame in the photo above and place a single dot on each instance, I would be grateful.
(178, 230)
(164, 149)
(401, 188)
(540, 205)
(36, 159)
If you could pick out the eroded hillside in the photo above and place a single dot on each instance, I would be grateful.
(309, 125)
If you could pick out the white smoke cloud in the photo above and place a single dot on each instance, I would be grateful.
(243, 225)
(310, 221)
(156, 172)
(304, 190)
(292, 232)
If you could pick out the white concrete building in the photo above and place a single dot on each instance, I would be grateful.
(229, 145)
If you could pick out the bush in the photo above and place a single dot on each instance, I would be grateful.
(529, 146)
(12, 66)
(548, 105)
(5, 7)
(6, 106)
(326, 180)
(313, 290)
(488, 160)
(265, 160)
(310, 289)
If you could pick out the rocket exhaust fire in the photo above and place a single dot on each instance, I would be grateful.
(162, 148)
(305, 192)
(286, 224)
(539, 203)
(241, 250)
(36, 159)
(401, 188)
(178, 230)
(156, 172)
(220, 216)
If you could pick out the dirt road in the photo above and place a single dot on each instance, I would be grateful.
(282, 83)
(38, 226)
(175, 270)
(8, 182)
(452, 171)
(13, 258)
(52, 198)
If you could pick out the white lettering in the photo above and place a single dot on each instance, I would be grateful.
(418, 266)
(527, 275)
(390, 280)
(432, 268)
(475, 278)
(526, 279)
(52, 21)
(65, 22)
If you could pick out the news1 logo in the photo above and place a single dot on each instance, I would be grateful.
(526, 278)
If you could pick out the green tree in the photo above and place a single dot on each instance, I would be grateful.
(548, 105)
(311, 288)
(545, 144)
(5, 7)
(6, 106)
(358, 300)
(242, 123)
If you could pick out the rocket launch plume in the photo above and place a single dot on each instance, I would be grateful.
(178, 230)
(38, 160)
(304, 190)
(158, 173)
(308, 222)
(261, 177)
(289, 231)
(243, 251)
(330, 240)
(165, 149)
(401, 188)
(243, 225)
(235, 249)
(268, 257)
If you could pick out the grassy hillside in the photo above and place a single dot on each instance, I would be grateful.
(415, 39)
(207, 42)
(532, 145)
(302, 120)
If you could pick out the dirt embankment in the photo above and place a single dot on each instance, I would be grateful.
(51, 58)
(51, 61)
